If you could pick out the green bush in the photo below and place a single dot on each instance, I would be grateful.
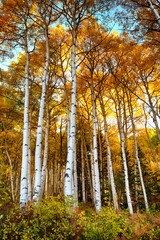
(48, 220)
(52, 219)
(107, 225)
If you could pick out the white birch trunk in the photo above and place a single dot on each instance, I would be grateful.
(83, 166)
(71, 146)
(46, 182)
(67, 111)
(110, 168)
(95, 153)
(100, 160)
(88, 170)
(153, 153)
(136, 186)
(37, 184)
(75, 178)
(29, 157)
(124, 159)
(156, 14)
(140, 171)
(11, 174)
(24, 166)
(92, 169)
(44, 166)
(136, 155)
(152, 108)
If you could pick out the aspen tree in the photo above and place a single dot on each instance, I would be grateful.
(151, 147)
(110, 168)
(75, 12)
(121, 133)
(136, 153)
(44, 166)
(46, 17)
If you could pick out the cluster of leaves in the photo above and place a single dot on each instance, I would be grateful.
(51, 219)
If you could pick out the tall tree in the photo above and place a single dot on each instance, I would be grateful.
(136, 151)
(46, 18)
(75, 12)
(19, 33)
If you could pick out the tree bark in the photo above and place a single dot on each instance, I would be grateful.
(29, 156)
(136, 153)
(124, 157)
(71, 146)
(95, 152)
(153, 153)
(83, 167)
(24, 166)
(37, 184)
(154, 11)
(110, 167)
(11, 169)
(44, 166)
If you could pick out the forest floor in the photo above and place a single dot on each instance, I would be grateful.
(52, 219)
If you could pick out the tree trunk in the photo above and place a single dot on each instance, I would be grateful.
(95, 152)
(88, 171)
(83, 167)
(110, 168)
(75, 178)
(11, 174)
(154, 11)
(44, 166)
(152, 108)
(29, 156)
(24, 166)
(37, 184)
(136, 186)
(136, 153)
(101, 160)
(92, 167)
(71, 146)
(124, 157)
(153, 153)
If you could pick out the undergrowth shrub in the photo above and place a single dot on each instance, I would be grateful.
(52, 219)
(47, 220)
(107, 225)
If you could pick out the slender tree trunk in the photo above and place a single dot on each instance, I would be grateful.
(156, 14)
(125, 127)
(75, 178)
(88, 170)
(129, 202)
(29, 156)
(152, 108)
(136, 186)
(71, 147)
(24, 166)
(55, 174)
(95, 152)
(46, 182)
(11, 172)
(83, 167)
(153, 153)
(67, 111)
(37, 184)
(110, 168)
(136, 153)
(101, 160)
(60, 166)
(44, 166)
(92, 167)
